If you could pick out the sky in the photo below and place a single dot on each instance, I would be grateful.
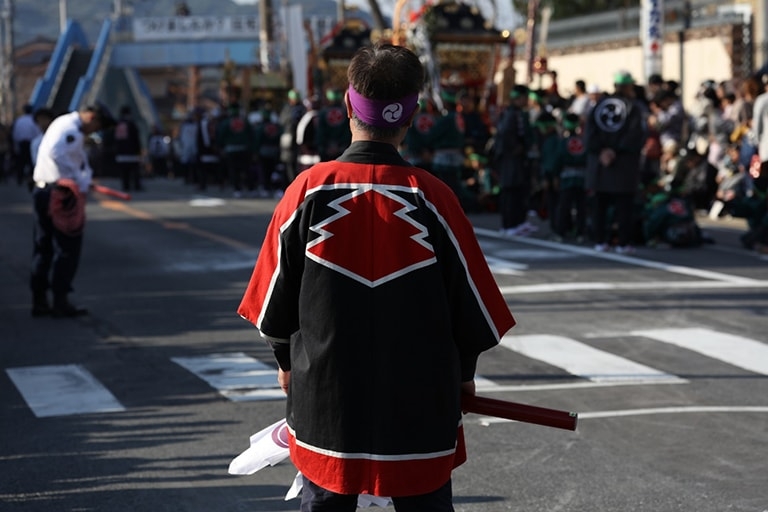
(504, 15)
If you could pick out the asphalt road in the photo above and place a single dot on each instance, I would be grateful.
(143, 404)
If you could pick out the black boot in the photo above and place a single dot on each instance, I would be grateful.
(62, 308)
(40, 305)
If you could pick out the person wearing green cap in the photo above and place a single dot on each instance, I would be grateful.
(446, 138)
(512, 143)
(290, 116)
(570, 168)
(547, 139)
(615, 135)
(482, 183)
(234, 135)
(415, 145)
(332, 135)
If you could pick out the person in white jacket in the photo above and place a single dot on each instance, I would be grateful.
(62, 177)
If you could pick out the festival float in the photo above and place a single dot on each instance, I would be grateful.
(460, 48)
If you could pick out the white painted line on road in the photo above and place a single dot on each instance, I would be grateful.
(211, 265)
(62, 390)
(207, 202)
(505, 267)
(235, 376)
(584, 251)
(484, 383)
(695, 409)
(584, 361)
(646, 285)
(735, 350)
(514, 388)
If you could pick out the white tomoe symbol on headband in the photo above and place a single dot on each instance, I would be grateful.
(392, 112)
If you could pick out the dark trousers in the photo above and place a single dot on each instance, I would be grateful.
(269, 175)
(623, 210)
(571, 199)
(23, 162)
(208, 170)
(239, 169)
(316, 499)
(513, 205)
(130, 175)
(55, 255)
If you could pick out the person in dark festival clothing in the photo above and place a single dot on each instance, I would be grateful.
(354, 250)
(615, 135)
(127, 142)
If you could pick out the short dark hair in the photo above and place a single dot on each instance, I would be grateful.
(384, 72)
(105, 117)
(43, 112)
(664, 95)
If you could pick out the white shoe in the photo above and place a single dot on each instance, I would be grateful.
(510, 232)
(625, 249)
(602, 247)
(525, 229)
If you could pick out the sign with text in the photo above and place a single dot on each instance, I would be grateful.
(652, 35)
(195, 27)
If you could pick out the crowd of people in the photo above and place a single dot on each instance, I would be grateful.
(618, 168)
(252, 152)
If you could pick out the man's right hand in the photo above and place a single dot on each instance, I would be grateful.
(284, 379)
(607, 156)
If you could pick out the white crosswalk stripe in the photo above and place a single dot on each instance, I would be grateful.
(582, 360)
(57, 390)
(236, 376)
(62, 390)
(735, 350)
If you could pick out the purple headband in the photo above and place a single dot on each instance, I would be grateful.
(382, 113)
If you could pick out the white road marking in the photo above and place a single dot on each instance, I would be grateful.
(644, 285)
(210, 265)
(235, 376)
(484, 383)
(207, 202)
(584, 251)
(514, 388)
(62, 390)
(583, 360)
(532, 254)
(735, 350)
(500, 266)
(694, 409)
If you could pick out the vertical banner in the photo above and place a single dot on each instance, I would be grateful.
(530, 35)
(652, 35)
(293, 32)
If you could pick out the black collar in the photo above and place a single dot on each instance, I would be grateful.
(372, 152)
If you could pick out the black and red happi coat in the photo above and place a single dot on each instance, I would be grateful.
(373, 271)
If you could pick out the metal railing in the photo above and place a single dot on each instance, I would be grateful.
(624, 24)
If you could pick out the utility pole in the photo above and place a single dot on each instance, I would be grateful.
(761, 32)
(266, 35)
(8, 85)
(530, 36)
(378, 18)
(681, 40)
(62, 16)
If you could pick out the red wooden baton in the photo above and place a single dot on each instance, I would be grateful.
(110, 192)
(519, 412)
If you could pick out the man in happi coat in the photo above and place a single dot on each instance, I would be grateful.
(377, 301)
